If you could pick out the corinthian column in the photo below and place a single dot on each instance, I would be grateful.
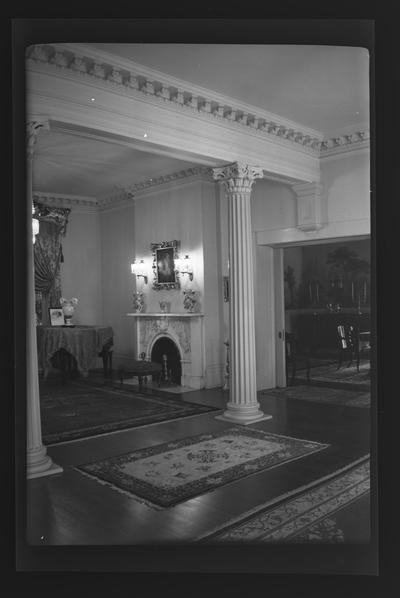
(243, 406)
(38, 463)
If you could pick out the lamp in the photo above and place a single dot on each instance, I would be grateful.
(139, 269)
(185, 266)
(35, 225)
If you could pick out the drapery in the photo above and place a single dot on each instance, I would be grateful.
(48, 257)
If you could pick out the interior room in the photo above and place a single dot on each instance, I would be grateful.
(200, 336)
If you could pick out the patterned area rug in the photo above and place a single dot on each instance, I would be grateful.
(80, 409)
(345, 375)
(309, 515)
(324, 395)
(170, 473)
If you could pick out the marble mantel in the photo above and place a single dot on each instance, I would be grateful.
(185, 329)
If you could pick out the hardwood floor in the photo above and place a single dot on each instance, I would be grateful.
(72, 509)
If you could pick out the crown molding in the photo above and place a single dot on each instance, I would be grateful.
(127, 193)
(342, 144)
(61, 200)
(124, 77)
(167, 80)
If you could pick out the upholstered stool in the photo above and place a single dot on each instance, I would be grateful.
(142, 369)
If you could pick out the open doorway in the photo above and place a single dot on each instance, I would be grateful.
(324, 314)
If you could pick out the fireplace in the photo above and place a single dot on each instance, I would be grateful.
(166, 352)
(185, 333)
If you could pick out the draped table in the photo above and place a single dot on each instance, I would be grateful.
(85, 343)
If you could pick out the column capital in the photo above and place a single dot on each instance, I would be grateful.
(237, 177)
(33, 128)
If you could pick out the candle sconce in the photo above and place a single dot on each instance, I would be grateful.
(139, 269)
(184, 266)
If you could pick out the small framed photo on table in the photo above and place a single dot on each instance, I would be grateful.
(56, 316)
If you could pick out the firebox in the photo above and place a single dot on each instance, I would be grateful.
(167, 354)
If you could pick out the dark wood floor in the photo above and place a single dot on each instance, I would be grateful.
(71, 509)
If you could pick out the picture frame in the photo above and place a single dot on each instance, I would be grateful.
(56, 316)
(166, 275)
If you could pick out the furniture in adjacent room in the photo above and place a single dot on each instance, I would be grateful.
(294, 351)
(348, 344)
(317, 330)
(83, 343)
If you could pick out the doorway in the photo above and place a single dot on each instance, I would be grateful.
(319, 287)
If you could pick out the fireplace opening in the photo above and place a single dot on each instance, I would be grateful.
(172, 369)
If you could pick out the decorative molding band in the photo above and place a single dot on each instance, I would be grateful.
(127, 192)
(63, 201)
(69, 62)
(123, 194)
(345, 143)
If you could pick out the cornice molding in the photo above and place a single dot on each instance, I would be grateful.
(345, 143)
(58, 200)
(80, 62)
(125, 193)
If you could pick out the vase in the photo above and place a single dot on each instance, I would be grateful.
(138, 302)
(165, 307)
(68, 308)
(190, 300)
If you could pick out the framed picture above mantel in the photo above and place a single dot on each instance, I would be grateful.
(166, 275)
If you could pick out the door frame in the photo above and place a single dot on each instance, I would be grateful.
(279, 296)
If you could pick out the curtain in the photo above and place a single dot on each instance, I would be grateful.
(48, 257)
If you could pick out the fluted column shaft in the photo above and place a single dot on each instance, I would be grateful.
(37, 461)
(243, 406)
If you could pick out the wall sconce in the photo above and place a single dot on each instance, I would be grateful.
(139, 269)
(35, 225)
(185, 266)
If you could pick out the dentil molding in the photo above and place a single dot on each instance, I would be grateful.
(83, 62)
(124, 193)
(67, 60)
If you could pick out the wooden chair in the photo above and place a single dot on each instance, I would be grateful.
(348, 344)
(293, 350)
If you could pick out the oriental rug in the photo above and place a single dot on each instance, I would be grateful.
(81, 409)
(323, 395)
(346, 375)
(314, 513)
(167, 474)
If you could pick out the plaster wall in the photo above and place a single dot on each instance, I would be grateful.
(81, 271)
(117, 250)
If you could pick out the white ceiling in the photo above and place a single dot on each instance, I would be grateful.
(76, 165)
(321, 87)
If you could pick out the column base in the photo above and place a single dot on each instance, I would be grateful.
(39, 464)
(53, 468)
(244, 417)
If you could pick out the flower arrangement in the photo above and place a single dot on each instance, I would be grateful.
(68, 308)
(138, 301)
(190, 300)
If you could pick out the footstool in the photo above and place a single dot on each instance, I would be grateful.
(142, 369)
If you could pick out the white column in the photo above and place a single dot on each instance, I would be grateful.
(38, 463)
(243, 406)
